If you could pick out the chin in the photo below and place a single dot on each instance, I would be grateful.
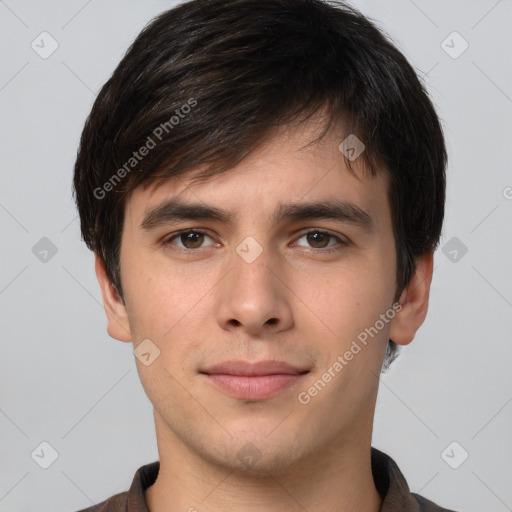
(258, 453)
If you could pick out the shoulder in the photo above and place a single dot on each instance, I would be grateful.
(116, 503)
(394, 490)
(134, 498)
(427, 505)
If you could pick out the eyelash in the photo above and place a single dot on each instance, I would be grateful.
(168, 241)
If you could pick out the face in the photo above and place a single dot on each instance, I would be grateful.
(257, 281)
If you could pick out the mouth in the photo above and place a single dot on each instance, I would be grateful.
(253, 381)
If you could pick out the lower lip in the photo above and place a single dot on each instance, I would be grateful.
(255, 387)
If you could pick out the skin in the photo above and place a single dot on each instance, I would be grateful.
(310, 457)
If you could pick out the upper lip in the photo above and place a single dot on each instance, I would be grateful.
(257, 368)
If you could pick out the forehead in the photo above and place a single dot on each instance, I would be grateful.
(286, 169)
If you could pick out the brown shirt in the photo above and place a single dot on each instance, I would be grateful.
(389, 481)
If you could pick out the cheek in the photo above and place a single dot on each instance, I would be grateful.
(163, 308)
(346, 300)
(164, 298)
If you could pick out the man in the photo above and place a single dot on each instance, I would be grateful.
(263, 185)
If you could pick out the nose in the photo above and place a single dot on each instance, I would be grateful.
(253, 297)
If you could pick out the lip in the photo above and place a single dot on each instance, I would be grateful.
(253, 381)
(268, 367)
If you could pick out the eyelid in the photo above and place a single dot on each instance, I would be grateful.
(170, 238)
(342, 240)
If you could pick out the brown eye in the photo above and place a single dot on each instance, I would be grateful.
(191, 239)
(317, 239)
(188, 240)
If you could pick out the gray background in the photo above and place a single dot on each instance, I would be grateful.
(64, 381)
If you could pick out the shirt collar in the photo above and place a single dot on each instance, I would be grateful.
(389, 481)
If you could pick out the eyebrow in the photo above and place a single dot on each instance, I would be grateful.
(174, 210)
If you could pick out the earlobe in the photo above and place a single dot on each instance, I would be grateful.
(118, 326)
(414, 301)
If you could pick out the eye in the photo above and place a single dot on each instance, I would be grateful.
(190, 239)
(319, 239)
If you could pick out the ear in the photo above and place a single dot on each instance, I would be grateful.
(414, 301)
(118, 326)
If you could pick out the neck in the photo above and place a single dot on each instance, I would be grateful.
(338, 480)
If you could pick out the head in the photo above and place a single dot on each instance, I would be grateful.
(244, 105)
